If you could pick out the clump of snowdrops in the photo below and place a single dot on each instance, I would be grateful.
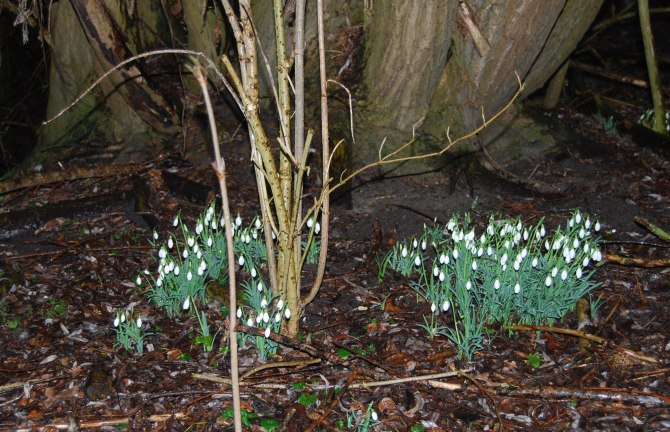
(509, 273)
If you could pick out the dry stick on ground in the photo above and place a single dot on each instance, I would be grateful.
(597, 393)
(638, 262)
(588, 336)
(110, 422)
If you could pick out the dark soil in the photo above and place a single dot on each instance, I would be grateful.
(70, 252)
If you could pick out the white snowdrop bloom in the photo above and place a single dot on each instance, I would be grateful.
(258, 224)
(571, 223)
(517, 288)
(582, 233)
(189, 275)
(446, 305)
(155, 235)
(222, 222)
(442, 276)
(424, 245)
(587, 223)
(146, 272)
(280, 304)
(575, 243)
(213, 225)
(190, 241)
(254, 234)
(176, 270)
(548, 281)
(200, 271)
(116, 321)
(159, 281)
(471, 235)
(524, 253)
(210, 241)
(259, 318)
(199, 228)
(374, 416)
(199, 254)
(455, 237)
(480, 251)
(259, 286)
(546, 245)
(310, 223)
(232, 230)
(566, 252)
(578, 217)
(415, 243)
(162, 253)
(489, 251)
(436, 272)
(287, 313)
(451, 225)
(578, 273)
(587, 248)
(534, 262)
(250, 322)
(474, 265)
(496, 284)
(597, 226)
(138, 281)
(253, 272)
(238, 221)
(525, 235)
(516, 265)
(482, 239)
(446, 259)
(455, 253)
(519, 226)
(123, 317)
(596, 255)
(196, 248)
(517, 238)
(277, 317)
(417, 261)
(506, 244)
(554, 272)
(468, 285)
(585, 262)
(267, 332)
(317, 228)
(240, 260)
(203, 265)
(139, 322)
(404, 252)
(170, 243)
(572, 255)
(247, 238)
(504, 267)
(564, 274)
(185, 253)
(433, 308)
(187, 303)
(264, 303)
(489, 230)
(239, 312)
(266, 317)
(175, 222)
(542, 231)
(503, 259)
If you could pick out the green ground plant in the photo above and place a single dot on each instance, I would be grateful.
(510, 273)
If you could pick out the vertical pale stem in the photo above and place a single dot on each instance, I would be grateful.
(652, 66)
(220, 169)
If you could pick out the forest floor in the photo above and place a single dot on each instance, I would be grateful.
(72, 250)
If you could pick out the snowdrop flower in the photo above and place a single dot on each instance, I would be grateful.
(534, 262)
(254, 234)
(266, 317)
(489, 251)
(187, 303)
(159, 281)
(310, 223)
(471, 235)
(259, 318)
(417, 261)
(548, 281)
(200, 271)
(238, 221)
(189, 275)
(506, 244)
(280, 304)
(525, 235)
(170, 243)
(582, 233)
(446, 305)
(116, 321)
(436, 272)
(587, 223)
(503, 260)
(586, 262)
(259, 286)
(468, 285)
(190, 241)
(504, 267)
(524, 253)
(213, 225)
(155, 235)
(277, 317)
(287, 313)
(253, 272)
(455, 253)
(138, 281)
(175, 222)
(451, 224)
(404, 252)
(578, 217)
(239, 312)
(480, 252)
(222, 222)
(564, 274)
(264, 303)
(139, 322)
(596, 255)
(162, 253)
(185, 253)
(578, 274)
(496, 284)
(575, 243)
(146, 272)
(546, 245)
(423, 245)
(542, 231)
(199, 254)
(247, 238)
(267, 332)
(597, 226)
(415, 244)
(240, 260)
(516, 265)
(517, 288)
(373, 415)
(433, 308)
(210, 241)
(317, 228)
(176, 270)
(474, 265)
(196, 248)
(123, 317)
(198, 228)
(482, 239)
(250, 322)
(554, 272)
(443, 259)
(441, 277)
(489, 230)
(258, 223)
